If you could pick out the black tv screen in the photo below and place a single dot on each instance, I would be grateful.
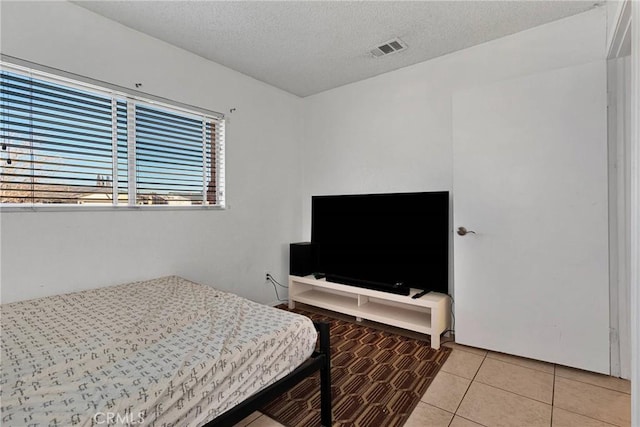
(384, 239)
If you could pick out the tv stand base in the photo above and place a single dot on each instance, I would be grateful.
(427, 315)
(376, 286)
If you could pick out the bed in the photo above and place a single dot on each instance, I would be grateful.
(162, 352)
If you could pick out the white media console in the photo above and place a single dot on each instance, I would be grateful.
(429, 314)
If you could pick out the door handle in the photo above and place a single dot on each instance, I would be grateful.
(463, 231)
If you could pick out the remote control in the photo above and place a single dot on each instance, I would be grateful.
(420, 294)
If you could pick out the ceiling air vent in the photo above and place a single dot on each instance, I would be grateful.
(389, 47)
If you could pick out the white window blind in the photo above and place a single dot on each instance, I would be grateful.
(66, 143)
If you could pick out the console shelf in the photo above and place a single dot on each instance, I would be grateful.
(428, 315)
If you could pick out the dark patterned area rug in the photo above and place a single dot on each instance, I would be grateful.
(378, 378)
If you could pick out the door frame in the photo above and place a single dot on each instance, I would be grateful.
(618, 114)
(635, 213)
(628, 13)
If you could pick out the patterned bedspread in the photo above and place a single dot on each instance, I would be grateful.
(162, 352)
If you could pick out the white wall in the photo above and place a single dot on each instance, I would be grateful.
(614, 10)
(388, 133)
(393, 132)
(45, 253)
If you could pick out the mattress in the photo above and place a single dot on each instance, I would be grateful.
(162, 352)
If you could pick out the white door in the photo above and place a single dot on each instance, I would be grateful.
(530, 179)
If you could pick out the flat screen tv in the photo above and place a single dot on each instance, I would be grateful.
(389, 242)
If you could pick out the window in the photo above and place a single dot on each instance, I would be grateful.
(68, 143)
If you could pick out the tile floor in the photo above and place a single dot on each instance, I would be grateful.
(482, 388)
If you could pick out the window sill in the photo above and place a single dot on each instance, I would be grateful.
(76, 208)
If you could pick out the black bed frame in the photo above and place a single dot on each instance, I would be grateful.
(319, 360)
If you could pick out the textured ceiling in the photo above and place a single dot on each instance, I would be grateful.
(308, 47)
